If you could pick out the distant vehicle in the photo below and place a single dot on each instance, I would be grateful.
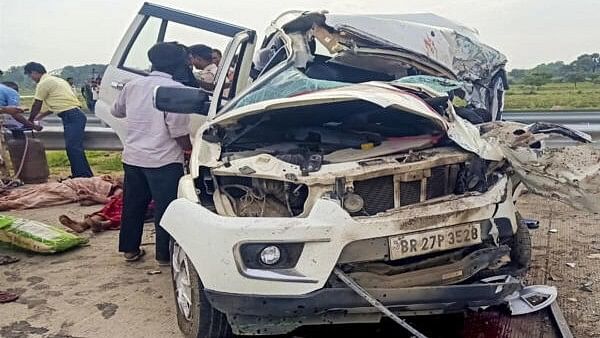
(336, 145)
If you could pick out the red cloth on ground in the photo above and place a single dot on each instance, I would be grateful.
(113, 209)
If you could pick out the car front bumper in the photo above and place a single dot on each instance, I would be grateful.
(259, 314)
(212, 241)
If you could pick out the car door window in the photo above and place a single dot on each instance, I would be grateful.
(189, 36)
(136, 57)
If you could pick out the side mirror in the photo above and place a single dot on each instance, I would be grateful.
(184, 100)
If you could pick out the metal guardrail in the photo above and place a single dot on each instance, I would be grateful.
(96, 138)
(100, 137)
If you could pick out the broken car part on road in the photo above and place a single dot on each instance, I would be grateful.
(363, 293)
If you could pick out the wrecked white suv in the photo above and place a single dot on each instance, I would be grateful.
(336, 147)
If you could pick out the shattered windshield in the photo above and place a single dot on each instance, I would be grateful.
(288, 83)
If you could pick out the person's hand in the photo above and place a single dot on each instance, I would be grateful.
(12, 110)
(37, 126)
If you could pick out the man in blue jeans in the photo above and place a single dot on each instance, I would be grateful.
(57, 96)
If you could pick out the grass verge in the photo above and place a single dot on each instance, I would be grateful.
(102, 162)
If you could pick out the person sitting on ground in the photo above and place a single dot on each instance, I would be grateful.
(154, 151)
(206, 71)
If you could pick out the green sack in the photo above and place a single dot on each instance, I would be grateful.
(36, 236)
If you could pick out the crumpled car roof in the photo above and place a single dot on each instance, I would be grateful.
(453, 45)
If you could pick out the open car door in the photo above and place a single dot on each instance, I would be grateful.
(160, 24)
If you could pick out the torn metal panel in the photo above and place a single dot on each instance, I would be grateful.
(569, 174)
(466, 135)
(369, 276)
(440, 40)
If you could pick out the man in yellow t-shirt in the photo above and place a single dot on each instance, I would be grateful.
(57, 96)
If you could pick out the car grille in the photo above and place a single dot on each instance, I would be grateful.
(378, 194)
(410, 192)
(381, 194)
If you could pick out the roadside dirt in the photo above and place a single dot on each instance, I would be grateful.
(86, 292)
(91, 292)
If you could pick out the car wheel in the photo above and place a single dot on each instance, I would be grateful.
(195, 315)
(520, 254)
(520, 247)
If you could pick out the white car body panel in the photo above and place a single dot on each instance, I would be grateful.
(210, 240)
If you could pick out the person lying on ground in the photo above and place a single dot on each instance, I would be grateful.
(107, 218)
(86, 191)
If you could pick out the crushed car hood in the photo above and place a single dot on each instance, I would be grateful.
(379, 93)
(570, 174)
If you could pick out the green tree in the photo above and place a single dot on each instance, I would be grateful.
(536, 79)
(575, 76)
(80, 75)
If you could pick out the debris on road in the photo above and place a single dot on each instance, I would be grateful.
(553, 231)
(154, 272)
(531, 299)
(573, 300)
(7, 297)
(571, 265)
(587, 286)
(531, 223)
(5, 260)
(594, 256)
(554, 277)
(363, 293)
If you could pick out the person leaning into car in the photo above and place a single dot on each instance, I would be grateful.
(153, 151)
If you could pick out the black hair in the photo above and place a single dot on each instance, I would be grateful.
(11, 84)
(34, 67)
(218, 52)
(167, 57)
(201, 51)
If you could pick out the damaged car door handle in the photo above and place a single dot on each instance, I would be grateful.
(117, 85)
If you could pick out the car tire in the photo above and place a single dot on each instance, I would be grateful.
(520, 247)
(520, 254)
(197, 318)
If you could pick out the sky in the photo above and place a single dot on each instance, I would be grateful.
(75, 32)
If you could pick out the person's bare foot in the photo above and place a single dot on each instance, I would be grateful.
(78, 227)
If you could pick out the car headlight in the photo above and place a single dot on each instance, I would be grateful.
(270, 255)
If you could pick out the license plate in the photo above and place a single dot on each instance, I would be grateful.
(436, 240)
